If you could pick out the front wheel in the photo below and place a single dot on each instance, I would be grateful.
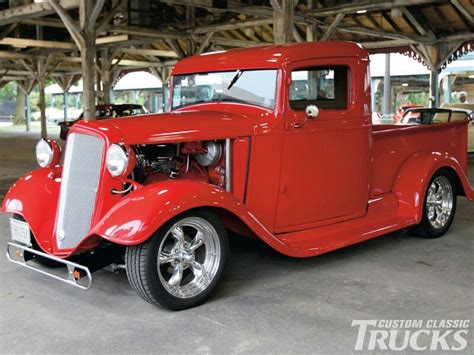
(439, 207)
(180, 266)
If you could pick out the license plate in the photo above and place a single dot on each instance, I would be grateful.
(20, 231)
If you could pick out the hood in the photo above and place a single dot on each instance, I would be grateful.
(178, 126)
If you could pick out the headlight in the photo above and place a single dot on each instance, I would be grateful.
(48, 153)
(116, 160)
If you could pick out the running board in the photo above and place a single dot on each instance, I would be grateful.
(77, 275)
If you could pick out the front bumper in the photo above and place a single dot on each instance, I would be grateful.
(74, 274)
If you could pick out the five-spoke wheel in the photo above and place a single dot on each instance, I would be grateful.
(189, 257)
(439, 207)
(181, 264)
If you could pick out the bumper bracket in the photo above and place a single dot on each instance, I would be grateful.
(77, 275)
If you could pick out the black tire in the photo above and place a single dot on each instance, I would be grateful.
(39, 259)
(426, 229)
(145, 275)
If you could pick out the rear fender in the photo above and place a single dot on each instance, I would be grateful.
(139, 214)
(414, 176)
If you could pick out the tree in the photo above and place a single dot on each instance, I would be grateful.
(20, 117)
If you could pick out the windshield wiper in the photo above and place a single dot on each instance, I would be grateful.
(236, 77)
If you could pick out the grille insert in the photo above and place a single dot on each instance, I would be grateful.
(80, 181)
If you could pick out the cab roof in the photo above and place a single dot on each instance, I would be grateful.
(267, 57)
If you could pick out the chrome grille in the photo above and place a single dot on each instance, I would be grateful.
(80, 181)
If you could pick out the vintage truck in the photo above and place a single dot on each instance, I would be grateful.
(274, 143)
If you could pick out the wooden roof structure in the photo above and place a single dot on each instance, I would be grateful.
(48, 38)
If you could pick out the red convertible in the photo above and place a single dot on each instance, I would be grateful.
(274, 143)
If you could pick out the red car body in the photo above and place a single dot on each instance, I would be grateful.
(304, 187)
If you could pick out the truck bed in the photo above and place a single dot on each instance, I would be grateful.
(393, 144)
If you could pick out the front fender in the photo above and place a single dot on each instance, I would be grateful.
(35, 198)
(414, 176)
(139, 214)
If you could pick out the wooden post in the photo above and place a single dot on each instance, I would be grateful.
(28, 113)
(27, 86)
(84, 36)
(387, 92)
(65, 100)
(42, 98)
(434, 88)
(87, 59)
(311, 28)
(283, 19)
(104, 70)
(65, 82)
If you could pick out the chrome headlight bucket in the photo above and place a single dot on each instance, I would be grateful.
(48, 153)
(119, 160)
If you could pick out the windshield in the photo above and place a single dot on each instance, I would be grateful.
(254, 87)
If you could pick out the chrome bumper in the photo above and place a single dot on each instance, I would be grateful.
(77, 275)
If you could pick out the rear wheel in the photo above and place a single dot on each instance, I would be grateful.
(439, 207)
(180, 266)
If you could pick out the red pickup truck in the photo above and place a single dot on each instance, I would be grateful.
(274, 143)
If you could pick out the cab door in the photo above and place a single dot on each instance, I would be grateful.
(325, 161)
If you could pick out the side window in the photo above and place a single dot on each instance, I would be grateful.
(326, 87)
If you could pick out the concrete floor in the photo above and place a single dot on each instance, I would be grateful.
(267, 303)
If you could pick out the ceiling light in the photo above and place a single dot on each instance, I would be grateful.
(361, 11)
(405, 84)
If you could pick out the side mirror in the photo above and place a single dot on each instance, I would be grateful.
(312, 111)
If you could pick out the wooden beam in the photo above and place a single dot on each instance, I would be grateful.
(332, 27)
(297, 36)
(239, 8)
(104, 22)
(142, 64)
(24, 43)
(205, 42)
(71, 26)
(11, 78)
(373, 21)
(46, 22)
(230, 26)
(18, 13)
(463, 11)
(412, 20)
(16, 55)
(96, 10)
(387, 44)
(112, 39)
(176, 47)
(8, 30)
(383, 34)
(152, 52)
(443, 19)
(375, 5)
(392, 23)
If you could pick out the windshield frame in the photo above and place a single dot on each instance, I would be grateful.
(235, 70)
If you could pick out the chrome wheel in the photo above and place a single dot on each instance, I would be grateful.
(439, 202)
(188, 257)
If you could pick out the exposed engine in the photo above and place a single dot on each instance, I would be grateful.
(192, 160)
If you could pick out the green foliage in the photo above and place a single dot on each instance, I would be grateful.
(419, 98)
(8, 92)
